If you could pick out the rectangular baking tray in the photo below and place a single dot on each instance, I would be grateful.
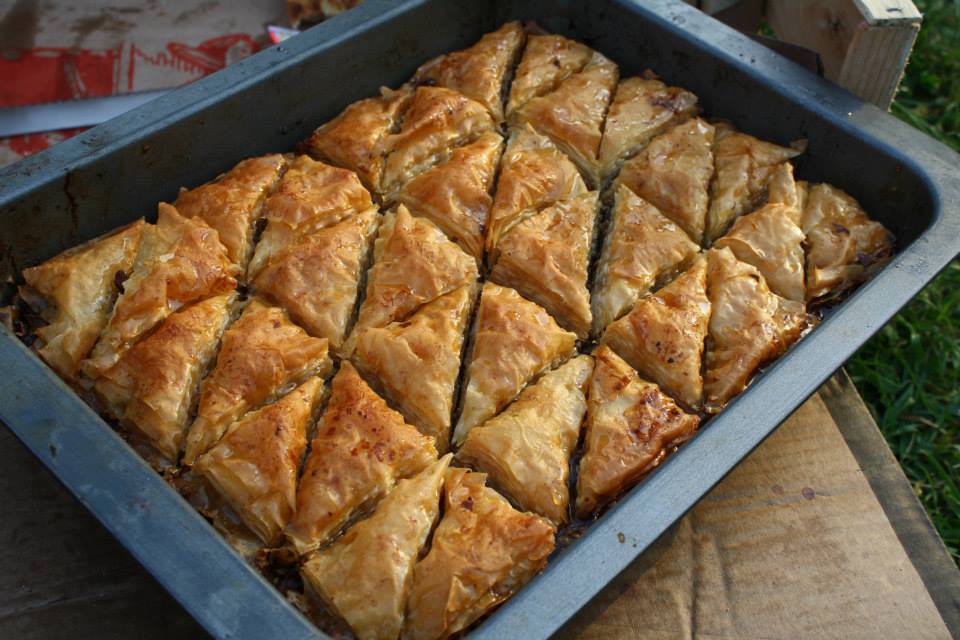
(119, 171)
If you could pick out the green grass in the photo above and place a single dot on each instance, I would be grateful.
(909, 373)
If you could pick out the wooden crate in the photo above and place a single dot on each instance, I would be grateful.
(864, 44)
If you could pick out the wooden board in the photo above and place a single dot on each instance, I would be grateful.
(794, 543)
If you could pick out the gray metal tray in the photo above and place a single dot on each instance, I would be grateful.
(119, 170)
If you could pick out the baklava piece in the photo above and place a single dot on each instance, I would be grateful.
(547, 61)
(414, 263)
(361, 448)
(152, 386)
(631, 427)
(642, 108)
(367, 575)
(673, 174)
(844, 245)
(456, 194)
(254, 466)
(233, 202)
(416, 362)
(482, 552)
(74, 292)
(663, 336)
(262, 354)
(356, 139)
(526, 449)
(771, 240)
(437, 120)
(641, 250)
(572, 115)
(744, 166)
(311, 196)
(480, 72)
(317, 278)
(514, 340)
(180, 261)
(749, 326)
(546, 257)
(784, 189)
(533, 174)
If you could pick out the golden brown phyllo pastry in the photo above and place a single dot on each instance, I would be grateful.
(516, 246)
(74, 292)
(317, 278)
(482, 552)
(479, 72)
(233, 202)
(179, 261)
(152, 385)
(642, 248)
(254, 466)
(744, 166)
(311, 195)
(261, 355)
(749, 326)
(513, 341)
(361, 448)
(642, 108)
(533, 174)
(631, 427)
(526, 449)
(673, 174)
(663, 336)
(366, 576)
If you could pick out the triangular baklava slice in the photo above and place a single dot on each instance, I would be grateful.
(526, 449)
(317, 278)
(261, 355)
(770, 240)
(437, 120)
(361, 448)
(631, 427)
(749, 326)
(547, 61)
(482, 552)
(663, 336)
(152, 386)
(642, 248)
(254, 466)
(232, 203)
(572, 115)
(367, 575)
(455, 194)
(356, 139)
(642, 108)
(311, 195)
(533, 174)
(844, 245)
(74, 292)
(414, 263)
(513, 341)
(744, 166)
(673, 174)
(180, 261)
(416, 362)
(479, 72)
(546, 258)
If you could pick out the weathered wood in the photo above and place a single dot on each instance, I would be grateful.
(864, 44)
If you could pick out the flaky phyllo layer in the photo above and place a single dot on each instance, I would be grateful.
(373, 361)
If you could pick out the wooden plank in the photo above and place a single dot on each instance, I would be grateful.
(907, 516)
(864, 44)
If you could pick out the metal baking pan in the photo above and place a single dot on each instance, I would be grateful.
(118, 171)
